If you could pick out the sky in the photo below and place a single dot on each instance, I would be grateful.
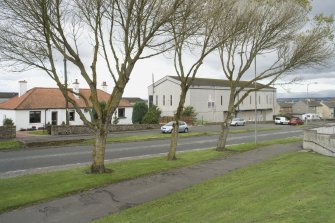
(319, 82)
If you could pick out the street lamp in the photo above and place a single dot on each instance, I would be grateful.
(308, 97)
(255, 102)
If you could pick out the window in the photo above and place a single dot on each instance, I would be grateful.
(211, 104)
(163, 100)
(72, 115)
(121, 113)
(250, 99)
(170, 100)
(259, 99)
(157, 100)
(221, 100)
(35, 117)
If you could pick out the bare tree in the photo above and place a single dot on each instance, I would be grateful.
(193, 38)
(280, 28)
(36, 33)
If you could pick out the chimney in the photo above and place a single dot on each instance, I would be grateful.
(76, 88)
(23, 87)
(104, 86)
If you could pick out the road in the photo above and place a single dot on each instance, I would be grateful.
(41, 159)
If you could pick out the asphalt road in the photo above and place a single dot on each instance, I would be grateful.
(34, 160)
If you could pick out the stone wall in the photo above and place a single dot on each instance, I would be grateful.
(7, 132)
(80, 129)
(320, 140)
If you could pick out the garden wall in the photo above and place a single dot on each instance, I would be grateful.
(320, 140)
(7, 132)
(80, 129)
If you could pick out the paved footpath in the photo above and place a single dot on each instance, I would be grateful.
(96, 203)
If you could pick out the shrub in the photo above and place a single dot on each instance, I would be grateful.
(8, 122)
(189, 112)
(139, 110)
(152, 116)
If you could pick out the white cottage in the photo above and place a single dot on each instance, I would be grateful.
(36, 107)
(209, 97)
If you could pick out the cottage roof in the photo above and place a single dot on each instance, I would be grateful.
(219, 82)
(47, 98)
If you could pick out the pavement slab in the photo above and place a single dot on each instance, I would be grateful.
(96, 203)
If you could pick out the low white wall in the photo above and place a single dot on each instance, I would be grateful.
(320, 140)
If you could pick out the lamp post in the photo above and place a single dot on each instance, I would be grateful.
(255, 102)
(307, 103)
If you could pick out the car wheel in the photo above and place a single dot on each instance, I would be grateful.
(236, 124)
(186, 130)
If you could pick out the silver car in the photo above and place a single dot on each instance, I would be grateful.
(237, 121)
(167, 128)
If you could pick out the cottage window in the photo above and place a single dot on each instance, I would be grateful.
(72, 115)
(157, 100)
(221, 100)
(163, 100)
(35, 117)
(170, 100)
(121, 112)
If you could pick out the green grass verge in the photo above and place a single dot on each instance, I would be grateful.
(39, 132)
(23, 190)
(295, 187)
(11, 144)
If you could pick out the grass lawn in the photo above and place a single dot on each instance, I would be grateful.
(38, 132)
(10, 144)
(23, 190)
(295, 187)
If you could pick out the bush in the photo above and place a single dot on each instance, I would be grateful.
(8, 122)
(152, 116)
(139, 110)
(189, 112)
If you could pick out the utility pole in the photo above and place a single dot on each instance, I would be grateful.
(65, 84)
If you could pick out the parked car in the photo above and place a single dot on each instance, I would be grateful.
(311, 116)
(167, 128)
(295, 121)
(237, 121)
(281, 121)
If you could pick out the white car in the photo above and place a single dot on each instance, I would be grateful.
(237, 121)
(167, 128)
(281, 121)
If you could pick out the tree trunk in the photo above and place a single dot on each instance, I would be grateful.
(173, 143)
(98, 154)
(227, 120)
(223, 135)
(175, 131)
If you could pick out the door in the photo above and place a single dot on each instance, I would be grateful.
(54, 118)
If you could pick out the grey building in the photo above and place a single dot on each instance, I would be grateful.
(209, 97)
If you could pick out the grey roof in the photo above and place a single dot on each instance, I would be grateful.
(134, 99)
(314, 104)
(220, 82)
(8, 94)
(329, 104)
(285, 105)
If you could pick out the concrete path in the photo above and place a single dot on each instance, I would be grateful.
(93, 204)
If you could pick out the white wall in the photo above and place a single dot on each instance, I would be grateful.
(7, 114)
(199, 96)
(128, 116)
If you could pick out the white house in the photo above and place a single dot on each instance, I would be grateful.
(38, 106)
(209, 97)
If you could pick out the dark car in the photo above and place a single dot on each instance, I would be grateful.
(296, 121)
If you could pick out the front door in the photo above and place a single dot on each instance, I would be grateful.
(54, 118)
